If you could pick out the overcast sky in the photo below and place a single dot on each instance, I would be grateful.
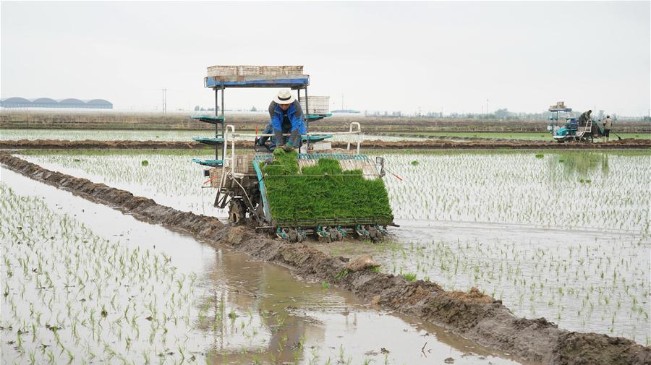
(430, 56)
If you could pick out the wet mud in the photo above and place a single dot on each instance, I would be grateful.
(472, 315)
(443, 143)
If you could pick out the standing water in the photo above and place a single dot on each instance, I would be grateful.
(84, 283)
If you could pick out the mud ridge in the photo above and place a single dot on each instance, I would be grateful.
(374, 144)
(472, 315)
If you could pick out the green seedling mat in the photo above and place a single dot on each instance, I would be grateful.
(323, 194)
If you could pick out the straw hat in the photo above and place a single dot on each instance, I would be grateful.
(284, 97)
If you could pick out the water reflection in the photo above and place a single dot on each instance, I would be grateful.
(580, 163)
(247, 311)
(258, 313)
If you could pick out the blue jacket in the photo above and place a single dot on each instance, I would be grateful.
(294, 113)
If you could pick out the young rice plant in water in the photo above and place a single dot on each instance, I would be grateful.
(70, 296)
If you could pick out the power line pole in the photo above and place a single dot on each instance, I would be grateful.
(164, 101)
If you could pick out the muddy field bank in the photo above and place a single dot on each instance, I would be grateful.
(472, 315)
(413, 145)
(31, 119)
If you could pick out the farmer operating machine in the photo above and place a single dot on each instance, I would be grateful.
(315, 191)
(572, 130)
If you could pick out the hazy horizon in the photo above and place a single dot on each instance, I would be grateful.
(432, 56)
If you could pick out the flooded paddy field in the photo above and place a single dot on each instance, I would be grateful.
(562, 235)
(156, 135)
(85, 283)
(462, 248)
(248, 135)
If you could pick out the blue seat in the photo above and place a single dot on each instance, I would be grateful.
(211, 163)
(209, 140)
(212, 119)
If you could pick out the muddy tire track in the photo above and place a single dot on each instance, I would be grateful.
(472, 315)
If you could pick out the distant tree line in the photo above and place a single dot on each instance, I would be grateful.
(499, 114)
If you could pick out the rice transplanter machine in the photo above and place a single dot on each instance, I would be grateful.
(316, 191)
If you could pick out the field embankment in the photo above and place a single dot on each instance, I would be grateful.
(376, 144)
(31, 119)
(472, 315)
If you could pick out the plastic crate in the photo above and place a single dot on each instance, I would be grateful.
(317, 104)
(243, 71)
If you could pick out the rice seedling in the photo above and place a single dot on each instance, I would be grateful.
(181, 190)
(410, 276)
(573, 255)
(83, 302)
(326, 191)
(607, 231)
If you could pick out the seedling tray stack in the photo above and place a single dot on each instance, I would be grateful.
(307, 190)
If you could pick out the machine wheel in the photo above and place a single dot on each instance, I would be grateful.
(361, 232)
(236, 212)
(374, 234)
(295, 235)
(335, 235)
(324, 238)
(258, 212)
